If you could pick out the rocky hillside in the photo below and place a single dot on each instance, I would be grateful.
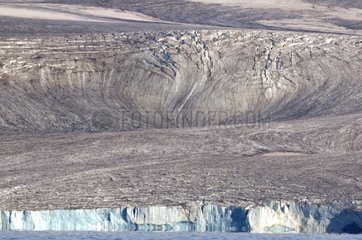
(174, 79)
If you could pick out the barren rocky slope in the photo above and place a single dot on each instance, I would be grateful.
(173, 80)
(31, 17)
(127, 81)
(316, 160)
(294, 15)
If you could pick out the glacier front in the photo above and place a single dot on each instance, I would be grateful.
(274, 217)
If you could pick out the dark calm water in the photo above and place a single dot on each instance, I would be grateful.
(165, 236)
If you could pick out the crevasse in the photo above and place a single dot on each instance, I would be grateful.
(274, 217)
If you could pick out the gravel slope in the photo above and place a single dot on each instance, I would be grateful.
(281, 15)
(273, 115)
(157, 80)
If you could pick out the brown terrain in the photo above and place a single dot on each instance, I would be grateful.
(117, 103)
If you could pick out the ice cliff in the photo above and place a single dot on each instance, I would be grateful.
(275, 217)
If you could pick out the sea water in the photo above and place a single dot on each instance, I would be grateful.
(166, 236)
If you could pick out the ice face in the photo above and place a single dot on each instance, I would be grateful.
(294, 217)
(157, 218)
(275, 217)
